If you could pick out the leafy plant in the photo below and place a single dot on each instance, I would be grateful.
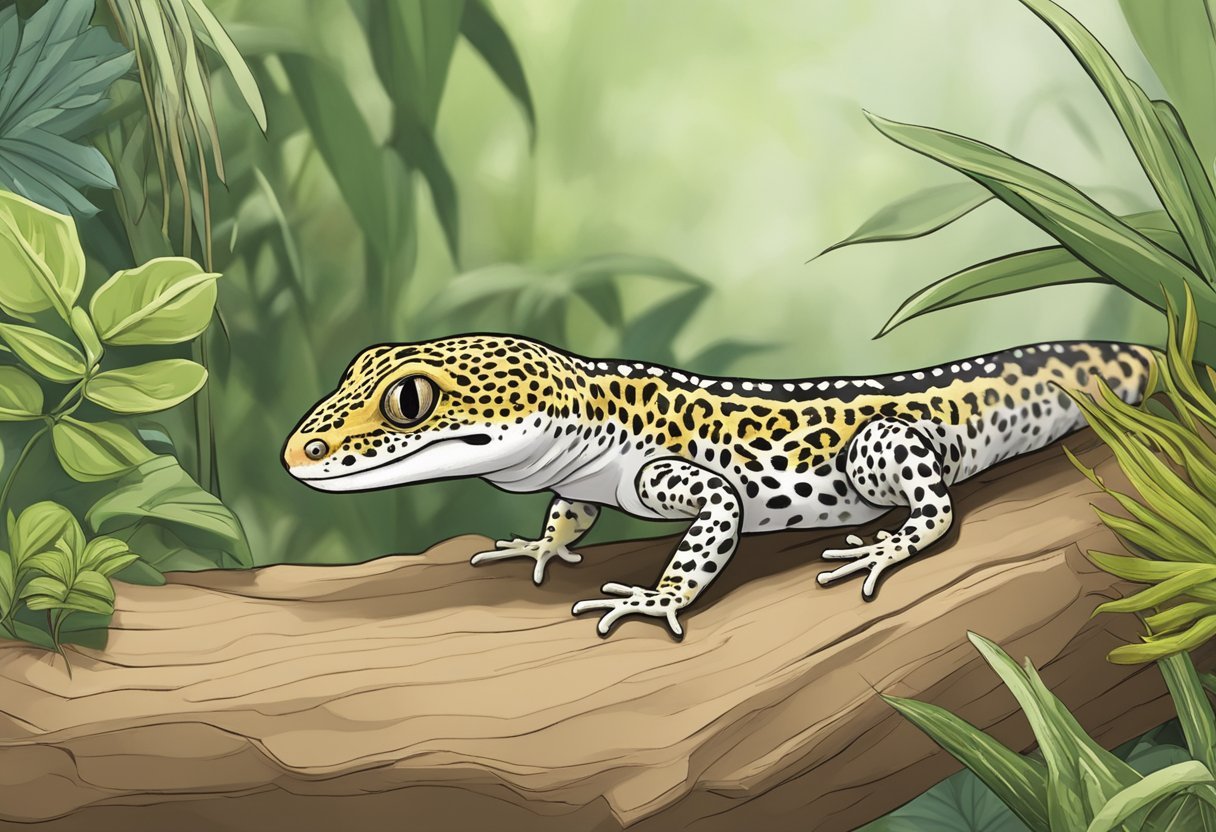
(1078, 785)
(55, 71)
(1166, 454)
(155, 306)
(1174, 248)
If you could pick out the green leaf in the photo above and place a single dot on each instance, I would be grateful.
(44, 592)
(8, 583)
(1194, 710)
(146, 388)
(485, 33)
(139, 571)
(101, 550)
(1020, 783)
(40, 258)
(1176, 37)
(918, 214)
(81, 601)
(161, 491)
(91, 582)
(39, 527)
(56, 563)
(960, 803)
(719, 357)
(167, 300)
(20, 396)
(231, 56)
(342, 137)
(1094, 235)
(1024, 270)
(1149, 791)
(83, 327)
(1170, 165)
(94, 451)
(43, 353)
(55, 72)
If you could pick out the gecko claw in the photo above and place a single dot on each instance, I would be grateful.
(633, 600)
(541, 551)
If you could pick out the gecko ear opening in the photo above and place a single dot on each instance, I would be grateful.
(409, 401)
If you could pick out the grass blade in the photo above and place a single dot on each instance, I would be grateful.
(485, 34)
(1149, 791)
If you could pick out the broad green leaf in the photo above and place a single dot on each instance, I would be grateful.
(231, 56)
(341, 135)
(20, 396)
(161, 491)
(1149, 791)
(101, 550)
(960, 803)
(1163, 160)
(146, 388)
(1025, 270)
(56, 563)
(485, 34)
(1019, 782)
(43, 353)
(40, 258)
(91, 582)
(40, 526)
(1094, 235)
(928, 210)
(83, 327)
(43, 592)
(93, 451)
(81, 601)
(139, 571)
(167, 300)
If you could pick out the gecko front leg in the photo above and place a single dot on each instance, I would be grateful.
(675, 489)
(566, 522)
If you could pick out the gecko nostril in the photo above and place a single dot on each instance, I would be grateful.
(316, 449)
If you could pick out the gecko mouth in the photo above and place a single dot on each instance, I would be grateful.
(472, 439)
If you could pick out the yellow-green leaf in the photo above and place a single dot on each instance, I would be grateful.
(43, 353)
(165, 301)
(146, 388)
(20, 396)
(40, 258)
(94, 451)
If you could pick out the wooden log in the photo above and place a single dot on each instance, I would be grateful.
(419, 692)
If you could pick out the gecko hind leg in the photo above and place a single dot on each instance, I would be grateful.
(891, 464)
(565, 524)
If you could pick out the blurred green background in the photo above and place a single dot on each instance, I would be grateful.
(729, 141)
(725, 139)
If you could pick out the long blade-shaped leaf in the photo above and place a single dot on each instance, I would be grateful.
(1019, 782)
(1025, 270)
(917, 215)
(485, 34)
(1093, 234)
(1149, 138)
(1153, 788)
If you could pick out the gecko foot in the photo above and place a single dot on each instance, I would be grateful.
(542, 551)
(873, 558)
(633, 600)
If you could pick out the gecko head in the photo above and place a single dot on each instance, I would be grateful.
(408, 413)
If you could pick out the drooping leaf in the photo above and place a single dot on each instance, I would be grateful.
(341, 135)
(147, 388)
(44, 353)
(231, 56)
(924, 212)
(20, 396)
(167, 300)
(485, 33)
(161, 491)
(40, 258)
(94, 451)
(1094, 235)
(1024, 270)
(55, 71)
(1144, 794)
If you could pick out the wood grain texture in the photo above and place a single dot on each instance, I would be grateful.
(418, 692)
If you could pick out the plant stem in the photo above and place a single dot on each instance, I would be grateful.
(12, 475)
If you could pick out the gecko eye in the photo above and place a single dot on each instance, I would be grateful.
(409, 401)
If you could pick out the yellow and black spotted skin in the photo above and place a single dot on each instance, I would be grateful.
(732, 455)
